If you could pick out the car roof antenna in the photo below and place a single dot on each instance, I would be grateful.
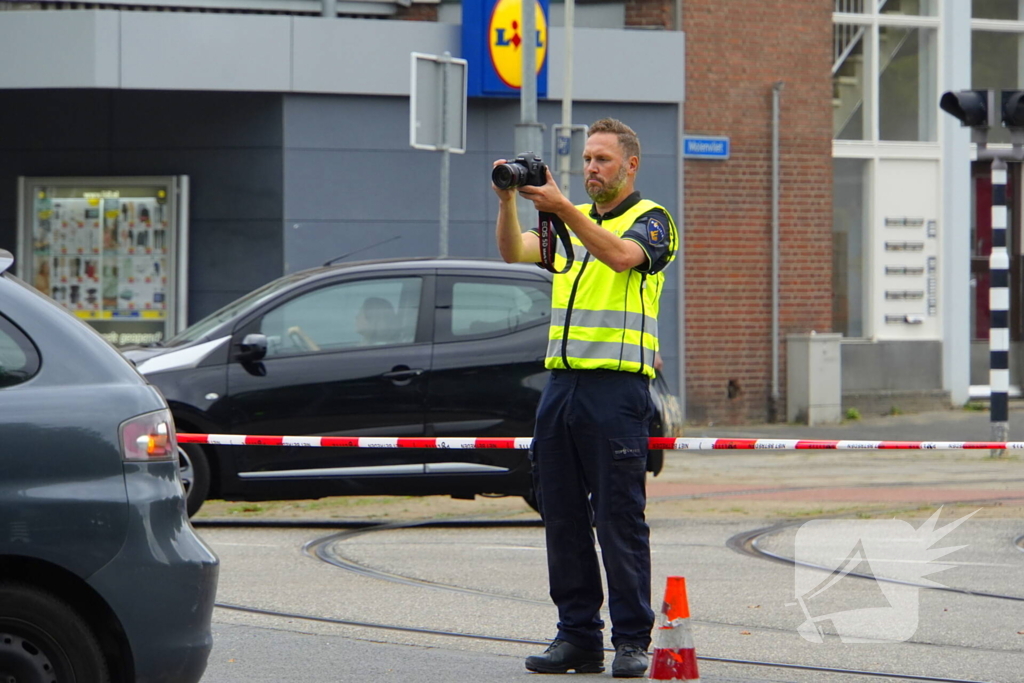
(376, 244)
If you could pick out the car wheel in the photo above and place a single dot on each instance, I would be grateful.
(195, 476)
(531, 500)
(43, 639)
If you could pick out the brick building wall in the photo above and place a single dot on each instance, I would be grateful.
(418, 11)
(735, 51)
(650, 13)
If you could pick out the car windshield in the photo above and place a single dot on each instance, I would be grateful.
(202, 328)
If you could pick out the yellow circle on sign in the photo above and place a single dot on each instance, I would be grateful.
(505, 38)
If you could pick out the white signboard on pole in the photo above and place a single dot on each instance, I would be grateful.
(437, 117)
(437, 106)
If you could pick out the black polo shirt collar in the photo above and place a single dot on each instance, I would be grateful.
(624, 206)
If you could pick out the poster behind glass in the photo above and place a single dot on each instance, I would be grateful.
(107, 250)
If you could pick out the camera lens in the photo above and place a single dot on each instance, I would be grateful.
(505, 176)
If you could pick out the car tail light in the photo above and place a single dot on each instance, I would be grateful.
(149, 437)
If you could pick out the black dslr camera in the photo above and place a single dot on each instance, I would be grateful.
(525, 169)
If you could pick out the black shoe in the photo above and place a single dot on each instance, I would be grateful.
(562, 655)
(630, 661)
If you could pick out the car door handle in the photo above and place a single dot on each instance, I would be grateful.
(406, 373)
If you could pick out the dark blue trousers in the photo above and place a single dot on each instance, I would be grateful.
(589, 462)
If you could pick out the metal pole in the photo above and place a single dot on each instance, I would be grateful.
(570, 19)
(445, 157)
(528, 91)
(528, 133)
(329, 8)
(999, 305)
(681, 253)
(774, 407)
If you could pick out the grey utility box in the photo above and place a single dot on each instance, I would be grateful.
(813, 378)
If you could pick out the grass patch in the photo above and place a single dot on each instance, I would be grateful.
(245, 509)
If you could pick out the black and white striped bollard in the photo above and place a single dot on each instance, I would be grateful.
(999, 308)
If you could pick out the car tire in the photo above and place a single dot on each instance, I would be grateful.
(195, 475)
(43, 639)
(531, 500)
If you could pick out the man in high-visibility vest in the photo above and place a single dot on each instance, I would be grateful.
(593, 421)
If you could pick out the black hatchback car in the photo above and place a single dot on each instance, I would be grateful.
(101, 576)
(427, 347)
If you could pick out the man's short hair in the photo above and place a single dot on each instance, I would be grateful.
(628, 140)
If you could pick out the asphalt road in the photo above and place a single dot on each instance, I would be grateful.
(490, 581)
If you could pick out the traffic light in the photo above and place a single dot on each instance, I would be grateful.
(969, 106)
(1013, 108)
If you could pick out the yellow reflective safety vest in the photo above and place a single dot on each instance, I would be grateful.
(603, 320)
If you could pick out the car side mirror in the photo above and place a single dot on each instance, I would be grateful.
(252, 348)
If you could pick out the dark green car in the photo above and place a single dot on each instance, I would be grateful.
(101, 576)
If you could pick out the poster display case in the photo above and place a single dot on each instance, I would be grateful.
(110, 250)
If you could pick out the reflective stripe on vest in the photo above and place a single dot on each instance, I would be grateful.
(602, 319)
(593, 355)
(614, 319)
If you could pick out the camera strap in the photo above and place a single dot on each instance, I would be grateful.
(550, 226)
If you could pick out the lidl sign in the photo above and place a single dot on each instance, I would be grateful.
(493, 42)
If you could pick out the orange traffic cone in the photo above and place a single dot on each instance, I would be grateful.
(675, 658)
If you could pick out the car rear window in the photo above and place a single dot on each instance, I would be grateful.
(19, 359)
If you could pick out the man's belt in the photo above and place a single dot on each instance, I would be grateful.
(551, 225)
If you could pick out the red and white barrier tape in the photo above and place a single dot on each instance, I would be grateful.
(655, 443)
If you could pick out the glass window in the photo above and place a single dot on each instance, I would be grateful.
(19, 360)
(995, 9)
(995, 66)
(907, 90)
(849, 202)
(848, 81)
(851, 6)
(488, 309)
(346, 316)
(918, 8)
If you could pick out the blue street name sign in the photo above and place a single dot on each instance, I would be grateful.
(705, 147)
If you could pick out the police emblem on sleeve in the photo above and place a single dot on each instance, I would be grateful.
(656, 232)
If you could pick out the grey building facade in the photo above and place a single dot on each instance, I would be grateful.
(294, 132)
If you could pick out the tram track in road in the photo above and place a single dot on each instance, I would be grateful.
(542, 643)
(745, 543)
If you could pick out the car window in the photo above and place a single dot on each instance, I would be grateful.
(251, 300)
(346, 316)
(19, 360)
(490, 308)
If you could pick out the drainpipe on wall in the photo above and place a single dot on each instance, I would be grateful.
(773, 408)
(681, 228)
(330, 8)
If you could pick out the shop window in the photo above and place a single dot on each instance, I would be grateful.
(850, 186)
